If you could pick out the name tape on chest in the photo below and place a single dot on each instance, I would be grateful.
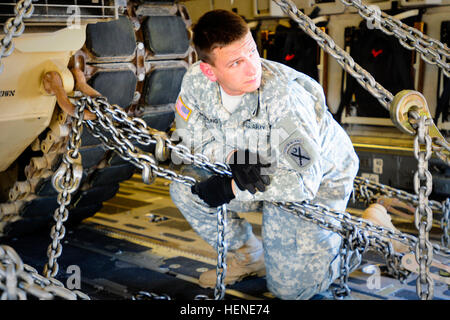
(183, 110)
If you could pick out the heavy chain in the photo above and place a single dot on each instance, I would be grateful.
(431, 50)
(421, 42)
(144, 295)
(364, 78)
(124, 127)
(113, 137)
(119, 128)
(14, 27)
(361, 235)
(367, 191)
(423, 215)
(444, 223)
(319, 214)
(335, 220)
(66, 181)
(438, 148)
(353, 245)
(221, 269)
(18, 280)
(344, 252)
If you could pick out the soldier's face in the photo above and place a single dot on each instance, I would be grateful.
(237, 67)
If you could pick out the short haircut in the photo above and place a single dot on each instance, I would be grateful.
(216, 29)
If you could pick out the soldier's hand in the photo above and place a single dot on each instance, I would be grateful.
(246, 169)
(215, 191)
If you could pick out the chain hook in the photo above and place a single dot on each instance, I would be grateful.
(161, 150)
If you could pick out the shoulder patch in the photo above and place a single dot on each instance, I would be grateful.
(183, 110)
(299, 150)
(297, 153)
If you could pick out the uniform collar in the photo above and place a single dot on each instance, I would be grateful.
(247, 108)
(214, 109)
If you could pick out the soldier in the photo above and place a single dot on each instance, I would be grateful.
(271, 124)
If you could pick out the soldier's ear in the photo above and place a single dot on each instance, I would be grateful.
(208, 71)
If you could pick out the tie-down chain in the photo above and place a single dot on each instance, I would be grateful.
(18, 280)
(150, 169)
(14, 27)
(368, 82)
(100, 107)
(115, 129)
(424, 214)
(66, 181)
(431, 50)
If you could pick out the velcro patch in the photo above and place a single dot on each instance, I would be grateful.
(183, 110)
(297, 153)
(297, 148)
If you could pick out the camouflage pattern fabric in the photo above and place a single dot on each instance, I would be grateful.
(285, 121)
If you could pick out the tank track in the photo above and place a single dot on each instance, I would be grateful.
(137, 62)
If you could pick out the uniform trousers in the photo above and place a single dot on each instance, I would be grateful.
(301, 258)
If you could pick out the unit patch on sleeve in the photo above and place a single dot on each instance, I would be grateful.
(297, 153)
(294, 146)
(183, 110)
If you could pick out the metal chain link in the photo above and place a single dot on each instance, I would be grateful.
(14, 27)
(423, 215)
(144, 295)
(136, 129)
(444, 222)
(116, 122)
(344, 253)
(431, 50)
(221, 269)
(361, 234)
(22, 279)
(221, 168)
(364, 78)
(367, 190)
(438, 148)
(18, 280)
(66, 180)
(365, 233)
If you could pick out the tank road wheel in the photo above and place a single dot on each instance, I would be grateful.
(137, 62)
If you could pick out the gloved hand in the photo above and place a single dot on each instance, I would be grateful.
(246, 169)
(215, 191)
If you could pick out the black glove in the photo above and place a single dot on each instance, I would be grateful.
(215, 191)
(246, 169)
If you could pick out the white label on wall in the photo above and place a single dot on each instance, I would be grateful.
(378, 165)
(370, 176)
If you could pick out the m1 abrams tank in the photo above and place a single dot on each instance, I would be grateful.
(134, 53)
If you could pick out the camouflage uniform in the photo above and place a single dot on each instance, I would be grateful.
(286, 121)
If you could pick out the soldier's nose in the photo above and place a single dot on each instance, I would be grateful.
(251, 68)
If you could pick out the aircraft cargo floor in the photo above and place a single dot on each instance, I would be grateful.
(140, 242)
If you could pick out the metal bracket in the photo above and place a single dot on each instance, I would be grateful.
(409, 263)
(161, 151)
(53, 84)
(410, 100)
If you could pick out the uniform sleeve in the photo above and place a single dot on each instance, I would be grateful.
(193, 130)
(302, 130)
